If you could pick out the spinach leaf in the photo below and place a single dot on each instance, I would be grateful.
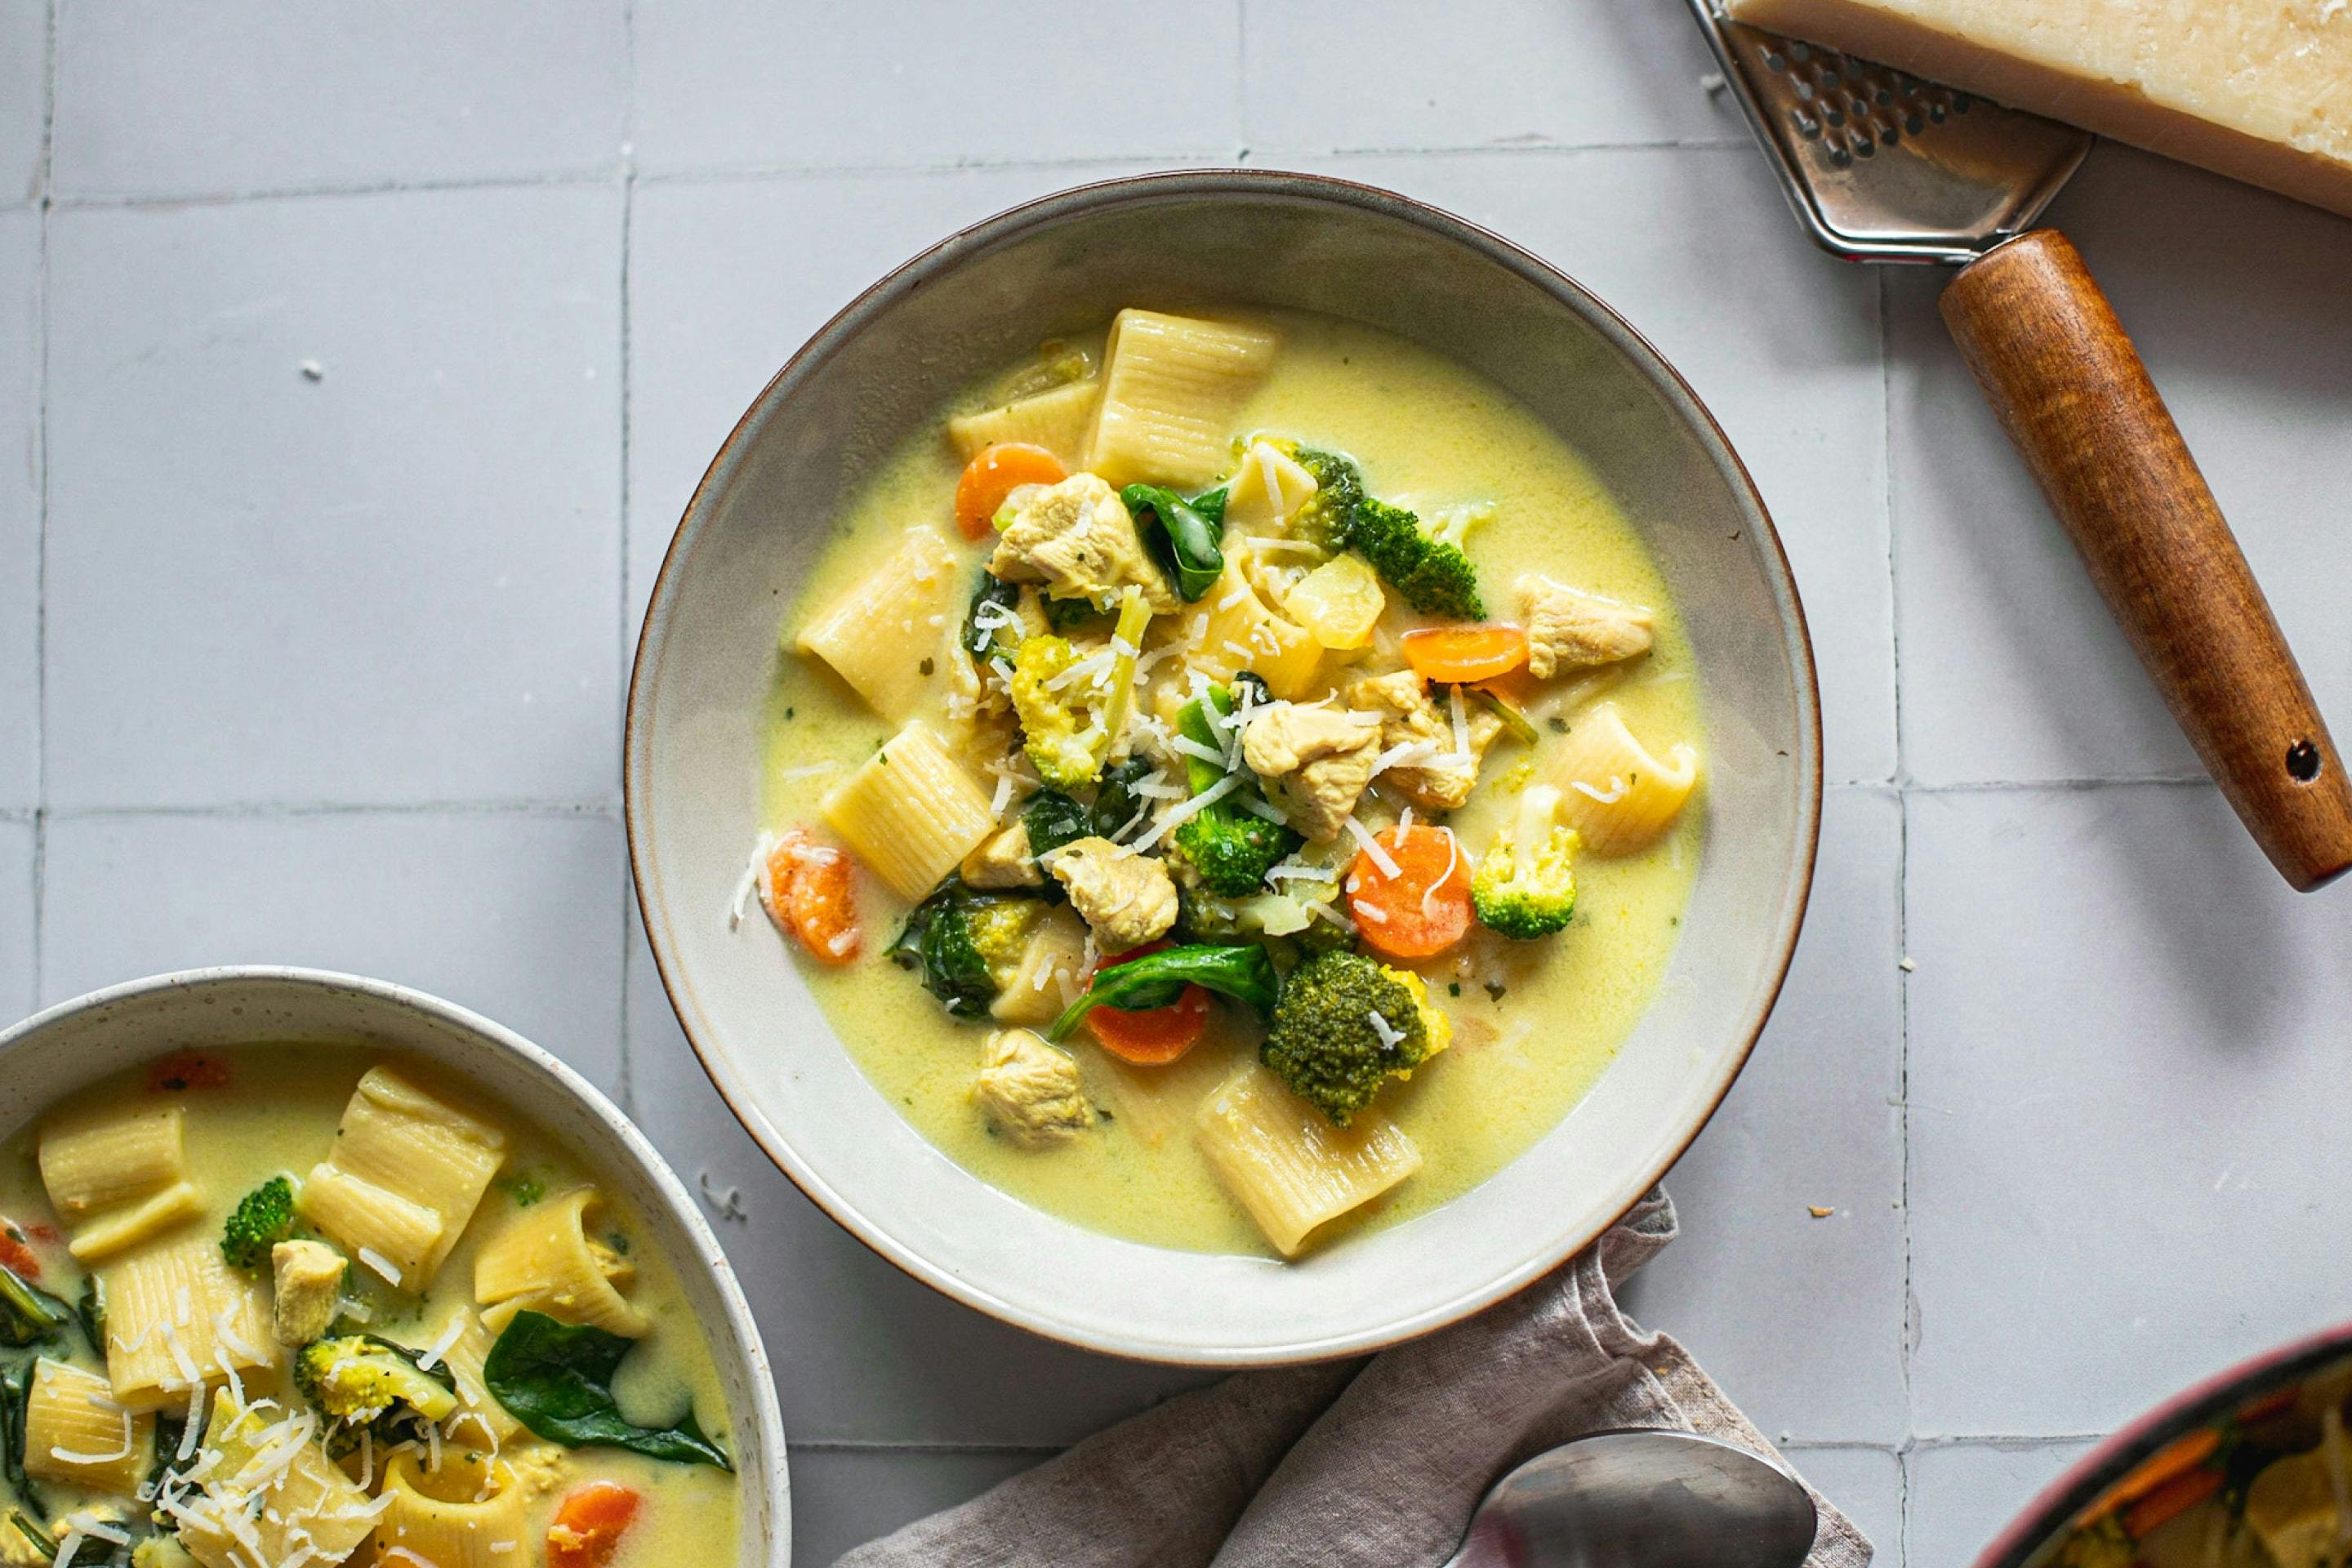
(1052, 820)
(1157, 979)
(16, 1393)
(1116, 801)
(91, 1310)
(557, 1379)
(995, 637)
(937, 944)
(1065, 615)
(1186, 541)
(1212, 505)
(29, 1314)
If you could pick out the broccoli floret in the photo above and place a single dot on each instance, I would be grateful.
(963, 943)
(1229, 846)
(1424, 565)
(1050, 728)
(1117, 805)
(1434, 578)
(358, 1381)
(1526, 885)
(1345, 1025)
(1325, 516)
(262, 1218)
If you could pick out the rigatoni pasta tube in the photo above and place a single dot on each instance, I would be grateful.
(1173, 386)
(1056, 420)
(911, 812)
(408, 1170)
(177, 1317)
(455, 1517)
(1289, 1167)
(545, 1260)
(94, 1164)
(882, 629)
(77, 1431)
(119, 1229)
(1613, 791)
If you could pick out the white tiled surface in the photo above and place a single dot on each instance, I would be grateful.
(332, 669)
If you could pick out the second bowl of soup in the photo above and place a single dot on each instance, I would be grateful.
(298, 1270)
(1249, 771)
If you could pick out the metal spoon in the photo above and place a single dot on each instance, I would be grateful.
(1642, 1499)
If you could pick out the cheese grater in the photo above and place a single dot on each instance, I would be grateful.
(1882, 165)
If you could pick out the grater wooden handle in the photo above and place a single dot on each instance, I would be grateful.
(2071, 391)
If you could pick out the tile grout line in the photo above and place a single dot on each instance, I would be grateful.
(628, 1084)
(722, 173)
(40, 889)
(1240, 81)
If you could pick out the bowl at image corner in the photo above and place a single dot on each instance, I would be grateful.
(74, 1044)
(880, 372)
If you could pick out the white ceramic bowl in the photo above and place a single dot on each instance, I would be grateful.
(877, 372)
(52, 1054)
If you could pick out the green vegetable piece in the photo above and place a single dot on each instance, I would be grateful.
(16, 1394)
(359, 1382)
(1054, 819)
(1230, 847)
(44, 1544)
(958, 940)
(1068, 615)
(1324, 1042)
(262, 1218)
(91, 1312)
(1157, 979)
(1117, 805)
(997, 637)
(557, 1379)
(29, 1314)
(1433, 575)
(1525, 883)
(1057, 744)
(1186, 541)
(526, 1190)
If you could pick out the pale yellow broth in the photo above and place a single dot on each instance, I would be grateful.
(277, 1114)
(1430, 435)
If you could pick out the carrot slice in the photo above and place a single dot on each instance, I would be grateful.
(1157, 1035)
(807, 890)
(996, 472)
(17, 1255)
(2178, 1457)
(588, 1525)
(1459, 656)
(1423, 907)
(2174, 1497)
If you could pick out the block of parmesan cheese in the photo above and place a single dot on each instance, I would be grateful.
(2261, 90)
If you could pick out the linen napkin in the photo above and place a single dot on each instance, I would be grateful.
(1362, 1463)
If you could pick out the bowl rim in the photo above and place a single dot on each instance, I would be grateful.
(758, 1373)
(1258, 183)
(2111, 1458)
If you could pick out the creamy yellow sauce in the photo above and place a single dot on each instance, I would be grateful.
(1430, 435)
(278, 1115)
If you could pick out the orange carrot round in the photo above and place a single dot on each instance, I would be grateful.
(1424, 907)
(996, 473)
(807, 890)
(1156, 1035)
(1459, 656)
(2174, 1497)
(589, 1524)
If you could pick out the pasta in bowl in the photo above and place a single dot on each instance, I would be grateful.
(1252, 564)
(297, 1270)
(1211, 792)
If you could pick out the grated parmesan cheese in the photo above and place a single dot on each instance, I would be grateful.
(1371, 847)
(381, 1265)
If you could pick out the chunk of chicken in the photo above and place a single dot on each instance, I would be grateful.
(1077, 538)
(1128, 899)
(308, 1278)
(1029, 1090)
(1002, 860)
(1318, 759)
(1568, 628)
(1441, 778)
